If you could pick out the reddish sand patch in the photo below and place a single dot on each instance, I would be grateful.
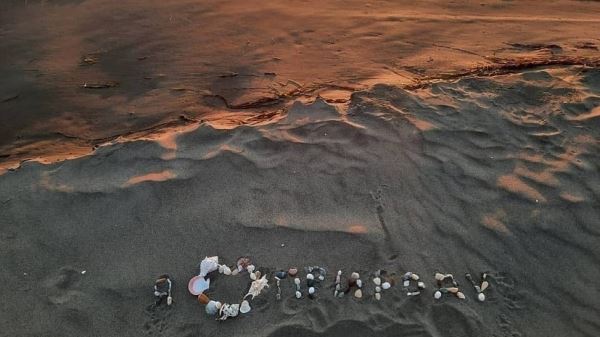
(545, 177)
(571, 197)
(357, 229)
(595, 113)
(515, 185)
(47, 183)
(155, 176)
(495, 222)
(221, 149)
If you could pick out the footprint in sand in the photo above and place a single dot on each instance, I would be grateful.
(319, 317)
(291, 305)
(60, 287)
(455, 319)
(157, 320)
(505, 287)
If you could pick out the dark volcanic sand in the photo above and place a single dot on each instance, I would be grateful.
(470, 173)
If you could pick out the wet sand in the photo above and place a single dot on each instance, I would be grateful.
(455, 137)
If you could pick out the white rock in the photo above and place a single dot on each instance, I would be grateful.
(310, 277)
(481, 297)
(377, 281)
(245, 307)
(437, 295)
(413, 293)
(208, 265)
(378, 289)
(421, 285)
(406, 283)
(377, 296)
(297, 281)
(358, 293)
(415, 277)
(253, 276)
(460, 295)
(213, 307)
(484, 285)
(250, 268)
(355, 275)
(227, 270)
(233, 272)
(386, 285)
(298, 294)
(311, 290)
(220, 269)
(321, 277)
(359, 283)
(439, 276)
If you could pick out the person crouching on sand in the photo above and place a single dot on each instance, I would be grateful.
(162, 289)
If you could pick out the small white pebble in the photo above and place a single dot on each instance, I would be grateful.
(83, 272)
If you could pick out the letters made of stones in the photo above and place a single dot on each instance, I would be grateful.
(315, 279)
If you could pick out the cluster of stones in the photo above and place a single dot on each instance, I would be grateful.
(407, 278)
(480, 288)
(411, 282)
(314, 276)
(442, 281)
(224, 311)
(381, 284)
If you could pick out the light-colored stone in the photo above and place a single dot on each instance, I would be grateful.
(245, 307)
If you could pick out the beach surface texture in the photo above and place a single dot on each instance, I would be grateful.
(138, 137)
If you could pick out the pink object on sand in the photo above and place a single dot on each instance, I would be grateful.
(198, 285)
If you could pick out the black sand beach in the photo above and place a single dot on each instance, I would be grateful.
(468, 165)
